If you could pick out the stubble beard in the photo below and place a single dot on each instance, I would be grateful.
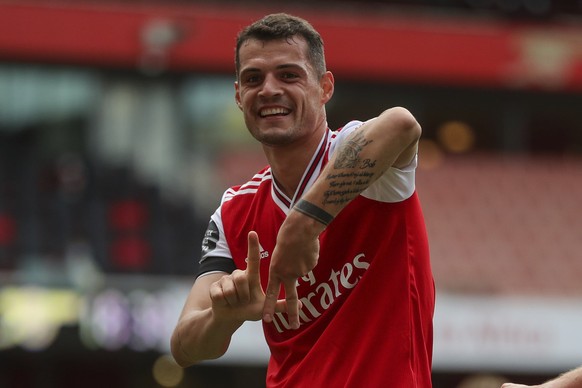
(275, 137)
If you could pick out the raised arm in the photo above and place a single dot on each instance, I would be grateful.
(390, 140)
(218, 304)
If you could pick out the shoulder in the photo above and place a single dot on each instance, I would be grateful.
(339, 135)
(260, 179)
(349, 128)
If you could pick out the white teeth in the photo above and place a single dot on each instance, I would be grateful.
(273, 111)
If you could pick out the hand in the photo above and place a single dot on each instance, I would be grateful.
(239, 296)
(295, 254)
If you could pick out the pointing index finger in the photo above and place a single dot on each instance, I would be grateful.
(253, 258)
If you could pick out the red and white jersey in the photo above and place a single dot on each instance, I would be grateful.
(367, 307)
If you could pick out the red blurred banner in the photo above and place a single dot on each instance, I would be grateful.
(382, 46)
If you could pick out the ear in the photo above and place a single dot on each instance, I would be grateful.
(327, 86)
(237, 95)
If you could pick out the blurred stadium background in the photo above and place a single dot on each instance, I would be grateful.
(118, 134)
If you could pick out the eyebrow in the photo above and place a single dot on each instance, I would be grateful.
(279, 67)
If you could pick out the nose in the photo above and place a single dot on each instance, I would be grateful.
(271, 86)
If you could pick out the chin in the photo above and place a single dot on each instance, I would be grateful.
(275, 139)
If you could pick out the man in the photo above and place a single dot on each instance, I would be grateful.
(570, 379)
(343, 256)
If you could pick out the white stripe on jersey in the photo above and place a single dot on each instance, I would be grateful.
(250, 187)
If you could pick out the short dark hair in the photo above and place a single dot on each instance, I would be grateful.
(284, 26)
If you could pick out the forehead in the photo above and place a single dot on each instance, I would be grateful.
(260, 54)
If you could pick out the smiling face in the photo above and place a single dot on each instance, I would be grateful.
(282, 98)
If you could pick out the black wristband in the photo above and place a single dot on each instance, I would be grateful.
(313, 211)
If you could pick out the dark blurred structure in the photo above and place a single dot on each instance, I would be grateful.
(118, 134)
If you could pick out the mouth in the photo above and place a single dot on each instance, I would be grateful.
(270, 112)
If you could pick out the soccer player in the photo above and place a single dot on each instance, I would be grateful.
(327, 245)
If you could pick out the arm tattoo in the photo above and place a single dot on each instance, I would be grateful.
(349, 154)
(351, 174)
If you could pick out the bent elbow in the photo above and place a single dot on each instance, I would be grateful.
(404, 122)
(177, 352)
(182, 363)
(190, 355)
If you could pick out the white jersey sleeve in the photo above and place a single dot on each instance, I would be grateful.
(214, 246)
(214, 243)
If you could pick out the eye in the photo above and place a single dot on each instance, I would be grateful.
(289, 76)
(252, 79)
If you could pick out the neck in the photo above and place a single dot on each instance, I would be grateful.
(288, 163)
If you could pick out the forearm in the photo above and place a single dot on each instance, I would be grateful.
(365, 155)
(571, 379)
(199, 336)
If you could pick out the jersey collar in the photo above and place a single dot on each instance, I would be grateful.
(318, 161)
